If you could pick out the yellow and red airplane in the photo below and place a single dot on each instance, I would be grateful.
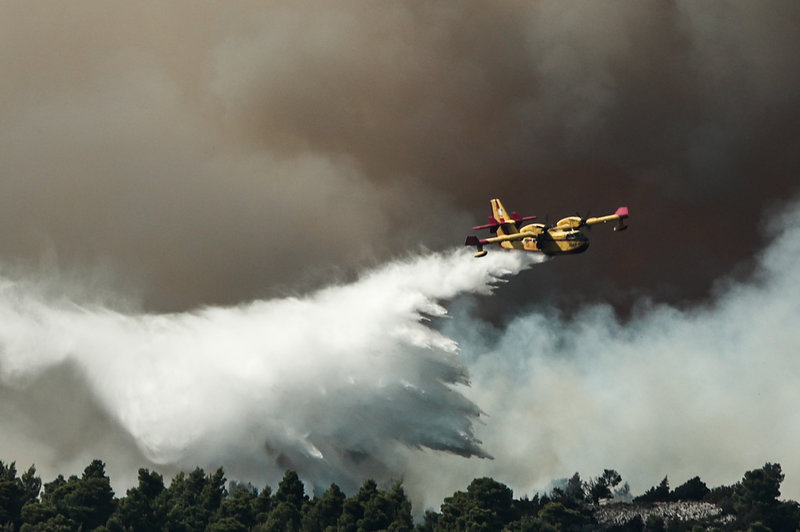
(563, 238)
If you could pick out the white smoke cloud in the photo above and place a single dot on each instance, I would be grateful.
(710, 390)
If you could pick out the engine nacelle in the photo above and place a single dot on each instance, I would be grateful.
(572, 222)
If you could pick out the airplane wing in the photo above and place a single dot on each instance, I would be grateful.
(530, 232)
(618, 217)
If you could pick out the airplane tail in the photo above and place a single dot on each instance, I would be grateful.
(503, 222)
(500, 214)
(506, 224)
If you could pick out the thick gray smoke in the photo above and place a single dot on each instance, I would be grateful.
(214, 153)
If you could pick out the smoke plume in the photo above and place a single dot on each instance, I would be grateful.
(214, 154)
(710, 390)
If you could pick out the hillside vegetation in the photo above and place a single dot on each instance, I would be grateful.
(201, 501)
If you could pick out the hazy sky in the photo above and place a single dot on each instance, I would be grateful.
(162, 157)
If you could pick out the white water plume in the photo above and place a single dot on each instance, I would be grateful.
(329, 384)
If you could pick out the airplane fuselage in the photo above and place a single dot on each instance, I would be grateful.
(553, 241)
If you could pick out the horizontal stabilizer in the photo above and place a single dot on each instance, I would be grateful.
(517, 218)
(487, 226)
(494, 223)
(473, 240)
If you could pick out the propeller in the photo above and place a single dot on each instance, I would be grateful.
(584, 218)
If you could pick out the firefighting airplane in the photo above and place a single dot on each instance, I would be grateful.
(563, 238)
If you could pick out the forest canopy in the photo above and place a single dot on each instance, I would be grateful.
(208, 501)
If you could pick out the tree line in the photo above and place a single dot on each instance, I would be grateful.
(207, 502)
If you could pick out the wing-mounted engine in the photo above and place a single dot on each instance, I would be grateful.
(570, 222)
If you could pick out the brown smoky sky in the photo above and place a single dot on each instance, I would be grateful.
(215, 152)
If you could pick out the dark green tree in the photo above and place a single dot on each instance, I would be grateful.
(282, 517)
(144, 507)
(324, 511)
(401, 509)
(240, 507)
(214, 491)
(263, 504)
(574, 494)
(486, 505)
(352, 513)
(94, 496)
(495, 497)
(722, 496)
(376, 507)
(86, 502)
(31, 485)
(373, 509)
(291, 491)
(287, 504)
(693, 489)
(43, 515)
(455, 512)
(194, 499)
(528, 507)
(12, 495)
(755, 500)
(759, 490)
(658, 493)
(430, 522)
(600, 487)
(181, 502)
(562, 518)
